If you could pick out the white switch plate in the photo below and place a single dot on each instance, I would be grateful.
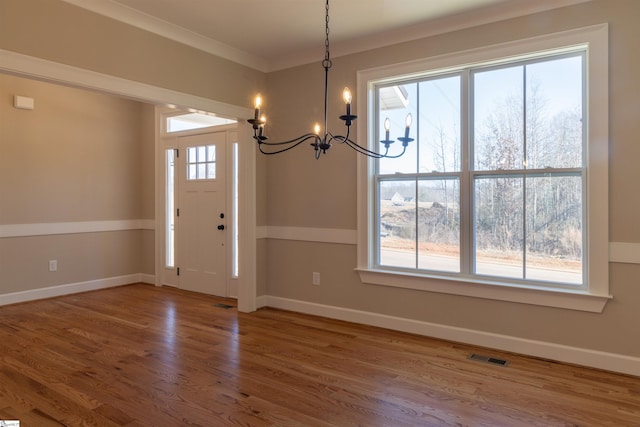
(23, 102)
(53, 265)
(316, 278)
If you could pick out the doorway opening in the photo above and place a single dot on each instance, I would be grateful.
(201, 248)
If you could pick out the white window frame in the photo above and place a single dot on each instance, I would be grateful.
(595, 296)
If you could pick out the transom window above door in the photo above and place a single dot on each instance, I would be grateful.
(192, 121)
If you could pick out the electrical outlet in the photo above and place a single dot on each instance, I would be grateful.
(315, 278)
(53, 265)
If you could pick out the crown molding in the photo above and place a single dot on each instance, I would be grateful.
(433, 27)
(170, 31)
(486, 15)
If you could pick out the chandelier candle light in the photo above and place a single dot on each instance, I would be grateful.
(322, 142)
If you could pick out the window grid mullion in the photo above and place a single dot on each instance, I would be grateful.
(524, 167)
(466, 217)
(417, 182)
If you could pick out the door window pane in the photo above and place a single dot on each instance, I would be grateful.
(201, 162)
(211, 153)
(170, 209)
(235, 265)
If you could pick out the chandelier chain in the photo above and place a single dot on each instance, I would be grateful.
(327, 56)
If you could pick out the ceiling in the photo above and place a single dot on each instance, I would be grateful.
(274, 34)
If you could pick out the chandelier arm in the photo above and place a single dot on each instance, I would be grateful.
(293, 144)
(273, 152)
(297, 141)
(366, 151)
(362, 150)
(340, 138)
(355, 146)
(351, 143)
(404, 149)
(372, 153)
(346, 137)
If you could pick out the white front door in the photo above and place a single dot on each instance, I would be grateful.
(202, 215)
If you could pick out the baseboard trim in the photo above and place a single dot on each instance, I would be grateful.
(73, 288)
(579, 356)
(261, 301)
(149, 279)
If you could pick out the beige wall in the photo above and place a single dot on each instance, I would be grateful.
(303, 192)
(78, 157)
(81, 257)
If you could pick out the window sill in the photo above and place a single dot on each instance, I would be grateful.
(558, 298)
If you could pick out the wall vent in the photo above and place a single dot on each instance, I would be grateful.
(488, 359)
(225, 306)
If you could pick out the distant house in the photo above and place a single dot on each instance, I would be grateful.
(397, 200)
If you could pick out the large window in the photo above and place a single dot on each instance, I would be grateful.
(499, 188)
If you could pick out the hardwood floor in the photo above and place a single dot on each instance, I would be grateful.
(144, 356)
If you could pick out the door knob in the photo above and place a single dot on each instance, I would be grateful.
(221, 227)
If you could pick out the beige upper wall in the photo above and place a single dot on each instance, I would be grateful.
(78, 156)
(63, 33)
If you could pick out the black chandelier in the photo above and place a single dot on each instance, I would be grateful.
(322, 142)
